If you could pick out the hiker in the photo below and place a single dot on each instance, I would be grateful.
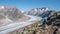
(43, 22)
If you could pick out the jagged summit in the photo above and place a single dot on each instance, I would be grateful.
(39, 11)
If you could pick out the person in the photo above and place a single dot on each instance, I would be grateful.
(43, 22)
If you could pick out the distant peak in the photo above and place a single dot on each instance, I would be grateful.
(2, 7)
(42, 9)
(7, 6)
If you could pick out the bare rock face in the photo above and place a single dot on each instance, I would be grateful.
(42, 12)
(10, 14)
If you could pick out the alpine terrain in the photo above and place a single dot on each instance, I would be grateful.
(41, 12)
(9, 14)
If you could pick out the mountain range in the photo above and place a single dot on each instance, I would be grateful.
(10, 14)
(40, 12)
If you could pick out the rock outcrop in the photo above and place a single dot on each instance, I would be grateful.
(54, 19)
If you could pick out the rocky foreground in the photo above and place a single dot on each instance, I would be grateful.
(52, 26)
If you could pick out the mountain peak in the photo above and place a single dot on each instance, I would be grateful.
(1, 7)
(11, 12)
(39, 11)
(42, 9)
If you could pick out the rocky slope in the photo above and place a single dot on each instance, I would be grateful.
(52, 26)
(54, 19)
(43, 12)
(10, 14)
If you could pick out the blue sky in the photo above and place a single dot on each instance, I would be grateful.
(29, 4)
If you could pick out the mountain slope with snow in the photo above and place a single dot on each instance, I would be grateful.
(42, 12)
(10, 14)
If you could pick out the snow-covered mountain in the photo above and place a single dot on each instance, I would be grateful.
(10, 14)
(43, 12)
